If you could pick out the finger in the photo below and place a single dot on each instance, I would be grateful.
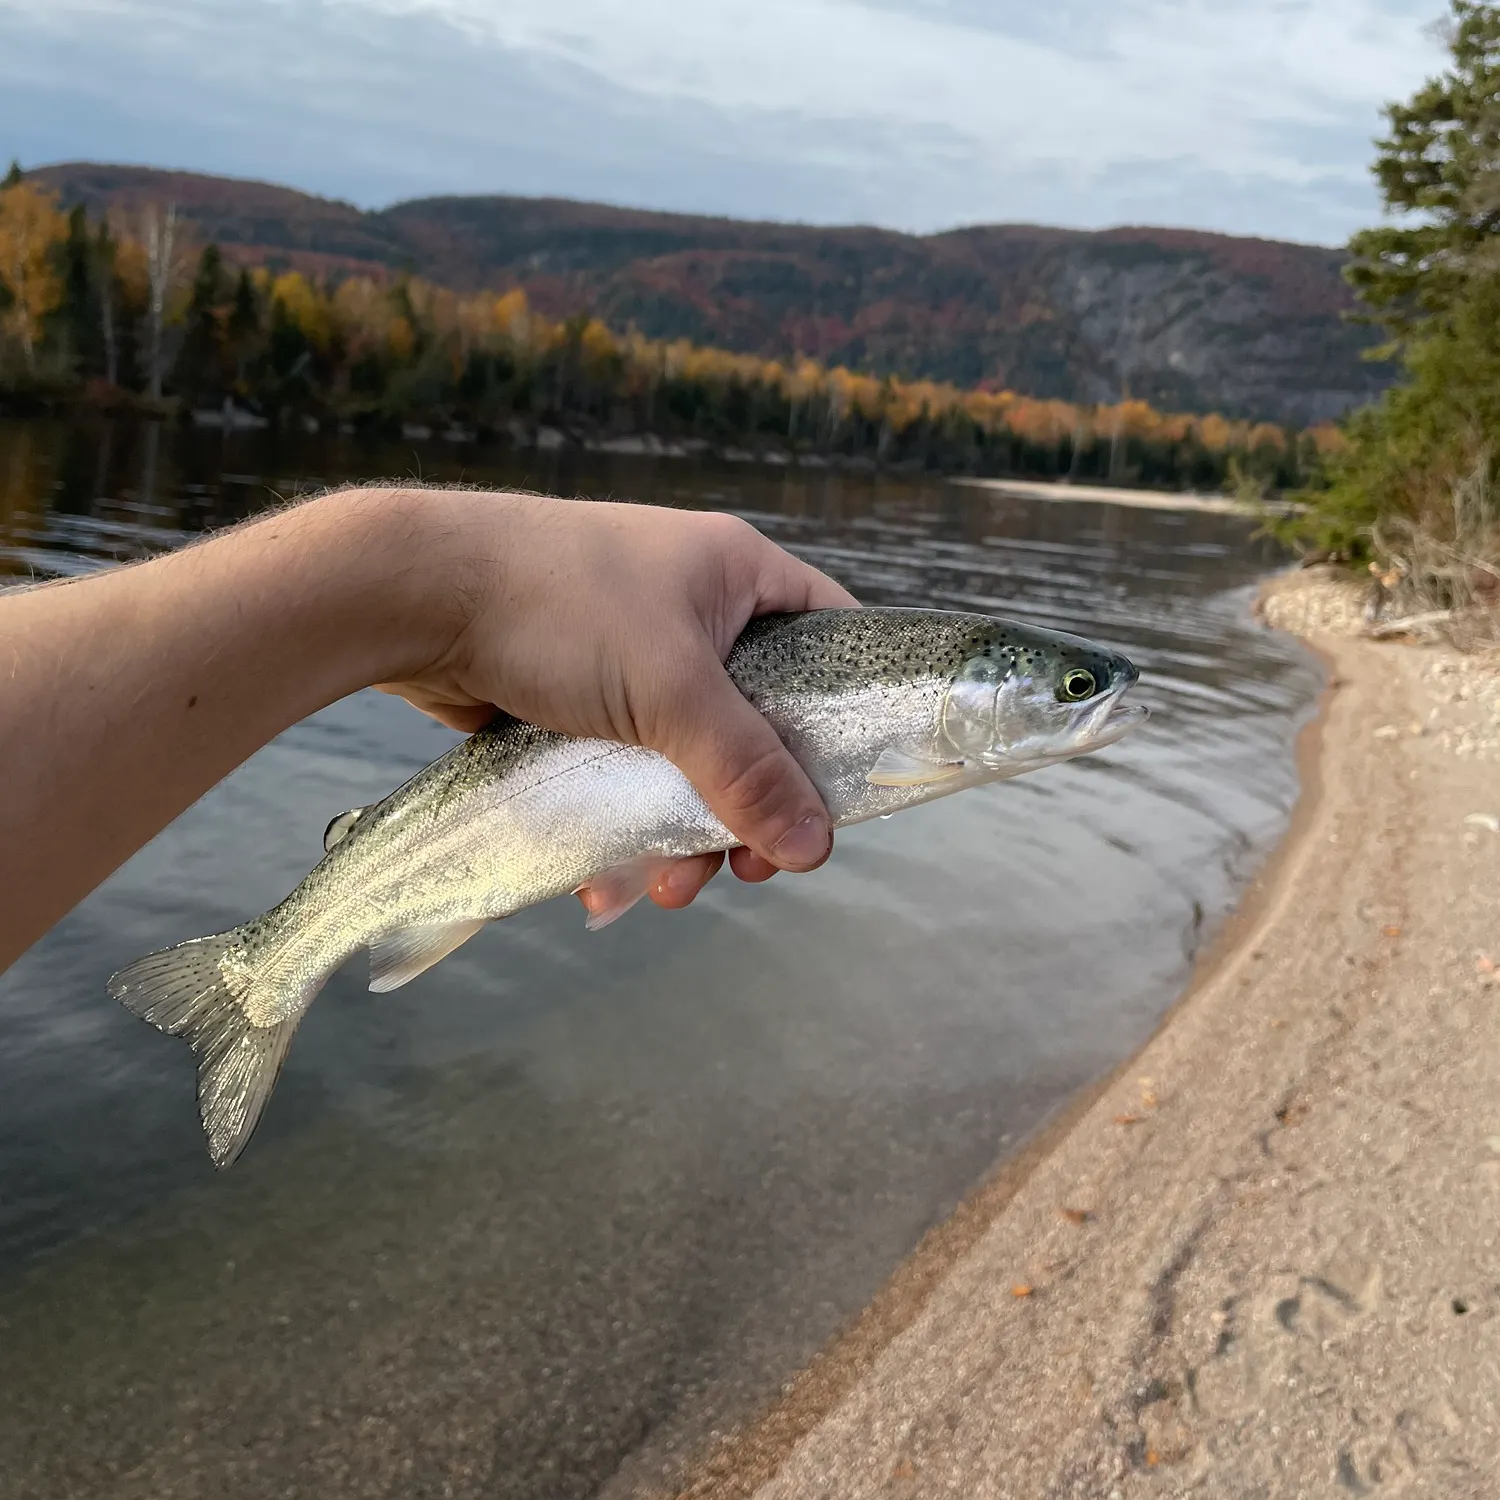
(743, 771)
(681, 883)
(788, 583)
(749, 866)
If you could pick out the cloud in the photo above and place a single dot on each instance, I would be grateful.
(1247, 115)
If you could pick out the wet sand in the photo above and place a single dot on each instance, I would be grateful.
(1262, 1258)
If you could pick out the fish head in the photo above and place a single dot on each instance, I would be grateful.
(1024, 697)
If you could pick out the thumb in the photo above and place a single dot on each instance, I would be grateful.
(747, 776)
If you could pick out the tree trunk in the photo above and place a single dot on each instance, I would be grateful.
(160, 235)
(107, 328)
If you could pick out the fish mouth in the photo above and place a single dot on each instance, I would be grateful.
(1117, 720)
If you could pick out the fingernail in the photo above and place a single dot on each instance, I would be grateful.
(677, 882)
(803, 845)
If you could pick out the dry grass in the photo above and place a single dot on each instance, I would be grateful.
(1441, 572)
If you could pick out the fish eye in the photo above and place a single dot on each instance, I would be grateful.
(1078, 685)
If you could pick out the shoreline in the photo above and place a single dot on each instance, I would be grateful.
(1111, 1312)
(1141, 499)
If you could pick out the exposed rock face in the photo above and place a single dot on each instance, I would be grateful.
(1186, 320)
(1173, 328)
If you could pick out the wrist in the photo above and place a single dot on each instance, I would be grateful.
(418, 569)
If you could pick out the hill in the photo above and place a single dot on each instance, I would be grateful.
(1186, 320)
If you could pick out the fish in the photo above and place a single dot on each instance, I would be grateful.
(884, 708)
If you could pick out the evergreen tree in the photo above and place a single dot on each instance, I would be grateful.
(1440, 160)
(201, 372)
(1416, 489)
(75, 317)
(243, 327)
(14, 177)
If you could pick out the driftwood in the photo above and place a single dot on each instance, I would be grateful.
(1407, 623)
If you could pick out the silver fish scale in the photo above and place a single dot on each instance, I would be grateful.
(516, 815)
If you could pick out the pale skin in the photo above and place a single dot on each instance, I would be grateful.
(125, 696)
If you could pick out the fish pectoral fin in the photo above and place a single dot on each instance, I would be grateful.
(897, 767)
(403, 955)
(611, 893)
(336, 830)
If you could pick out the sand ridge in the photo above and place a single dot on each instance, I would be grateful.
(1265, 1259)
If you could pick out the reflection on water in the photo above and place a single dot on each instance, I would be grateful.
(537, 1223)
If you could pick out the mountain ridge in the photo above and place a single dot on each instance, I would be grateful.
(1186, 319)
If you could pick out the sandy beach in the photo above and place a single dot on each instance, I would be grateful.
(1032, 489)
(1261, 1259)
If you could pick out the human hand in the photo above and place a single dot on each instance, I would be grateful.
(612, 621)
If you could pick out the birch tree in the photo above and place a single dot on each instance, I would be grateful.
(163, 272)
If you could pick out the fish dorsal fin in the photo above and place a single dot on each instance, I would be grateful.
(401, 956)
(611, 893)
(897, 767)
(338, 830)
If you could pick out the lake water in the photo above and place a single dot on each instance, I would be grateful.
(544, 1220)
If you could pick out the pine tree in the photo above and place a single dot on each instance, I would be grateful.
(243, 328)
(14, 177)
(200, 363)
(1440, 159)
(75, 317)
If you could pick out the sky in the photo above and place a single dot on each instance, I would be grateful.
(1247, 116)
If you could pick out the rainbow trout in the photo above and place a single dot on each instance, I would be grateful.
(884, 708)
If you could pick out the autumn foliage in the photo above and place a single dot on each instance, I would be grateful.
(87, 307)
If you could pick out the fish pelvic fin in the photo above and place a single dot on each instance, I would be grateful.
(188, 991)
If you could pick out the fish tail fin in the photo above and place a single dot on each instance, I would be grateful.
(188, 991)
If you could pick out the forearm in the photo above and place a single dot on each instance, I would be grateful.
(124, 697)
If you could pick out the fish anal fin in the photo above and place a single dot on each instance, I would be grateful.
(611, 893)
(400, 956)
(897, 767)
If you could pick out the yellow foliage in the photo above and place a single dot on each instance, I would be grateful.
(400, 339)
(307, 308)
(597, 346)
(1327, 439)
(30, 227)
(1215, 432)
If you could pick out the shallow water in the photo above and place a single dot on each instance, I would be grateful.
(541, 1221)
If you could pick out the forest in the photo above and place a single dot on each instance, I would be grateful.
(130, 313)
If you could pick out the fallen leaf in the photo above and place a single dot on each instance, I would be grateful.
(1390, 932)
(1076, 1215)
(1022, 1289)
(1152, 1458)
(905, 1469)
(1486, 965)
(1130, 1119)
